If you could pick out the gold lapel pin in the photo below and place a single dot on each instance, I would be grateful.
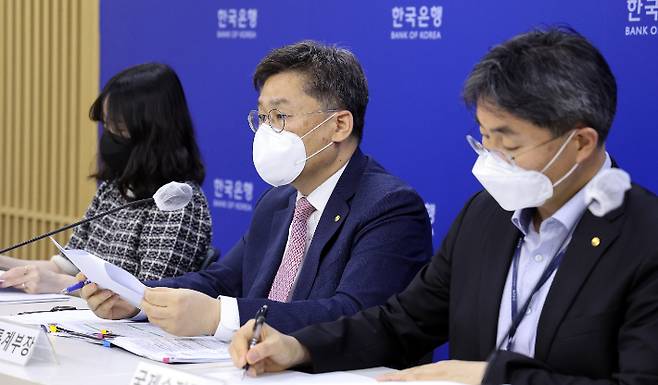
(337, 218)
(596, 241)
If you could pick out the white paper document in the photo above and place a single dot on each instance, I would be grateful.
(15, 296)
(177, 349)
(123, 328)
(106, 275)
(150, 341)
(234, 376)
(140, 338)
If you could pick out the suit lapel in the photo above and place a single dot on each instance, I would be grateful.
(326, 229)
(578, 262)
(276, 245)
(334, 215)
(497, 250)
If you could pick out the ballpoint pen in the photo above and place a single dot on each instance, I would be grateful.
(53, 309)
(258, 326)
(74, 287)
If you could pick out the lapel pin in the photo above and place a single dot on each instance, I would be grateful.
(596, 241)
(337, 218)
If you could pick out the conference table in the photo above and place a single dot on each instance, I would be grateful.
(85, 363)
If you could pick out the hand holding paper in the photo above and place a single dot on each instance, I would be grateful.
(182, 312)
(104, 303)
(106, 275)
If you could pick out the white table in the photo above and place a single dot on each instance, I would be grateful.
(84, 363)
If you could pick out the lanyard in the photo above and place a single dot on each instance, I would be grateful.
(550, 269)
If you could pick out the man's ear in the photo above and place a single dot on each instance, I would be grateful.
(588, 140)
(344, 126)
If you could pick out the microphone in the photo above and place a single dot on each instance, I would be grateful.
(604, 193)
(170, 197)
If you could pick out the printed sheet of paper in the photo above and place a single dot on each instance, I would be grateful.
(106, 275)
(140, 338)
(177, 349)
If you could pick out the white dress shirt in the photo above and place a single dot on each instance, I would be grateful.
(537, 250)
(230, 316)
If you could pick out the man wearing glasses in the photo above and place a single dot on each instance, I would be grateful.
(553, 267)
(336, 234)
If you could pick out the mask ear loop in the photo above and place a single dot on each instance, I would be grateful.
(557, 155)
(323, 148)
(575, 166)
(321, 123)
(565, 176)
(314, 154)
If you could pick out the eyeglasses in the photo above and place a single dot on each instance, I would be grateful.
(479, 149)
(275, 118)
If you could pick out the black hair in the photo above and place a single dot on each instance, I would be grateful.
(554, 78)
(335, 77)
(148, 101)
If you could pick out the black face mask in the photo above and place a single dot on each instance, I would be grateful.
(115, 151)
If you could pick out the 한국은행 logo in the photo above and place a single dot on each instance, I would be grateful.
(237, 23)
(233, 194)
(416, 22)
(642, 18)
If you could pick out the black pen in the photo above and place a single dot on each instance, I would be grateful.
(55, 308)
(255, 336)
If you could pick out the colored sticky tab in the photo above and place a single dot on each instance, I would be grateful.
(52, 328)
(107, 344)
(105, 331)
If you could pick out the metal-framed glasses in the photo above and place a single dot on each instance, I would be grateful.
(275, 118)
(479, 149)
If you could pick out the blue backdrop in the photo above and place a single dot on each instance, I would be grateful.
(416, 55)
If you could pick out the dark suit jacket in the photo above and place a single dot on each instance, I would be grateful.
(375, 248)
(599, 324)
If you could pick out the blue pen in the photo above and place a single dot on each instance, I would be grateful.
(75, 287)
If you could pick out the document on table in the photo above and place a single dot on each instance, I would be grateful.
(15, 296)
(106, 275)
(140, 338)
(150, 341)
(234, 376)
(177, 349)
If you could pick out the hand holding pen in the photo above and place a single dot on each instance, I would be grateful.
(75, 287)
(258, 327)
(265, 349)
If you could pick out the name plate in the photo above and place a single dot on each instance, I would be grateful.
(147, 374)
(20, 342)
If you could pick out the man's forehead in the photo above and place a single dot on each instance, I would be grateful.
(285, 94)
(276, 101)
(494, 120)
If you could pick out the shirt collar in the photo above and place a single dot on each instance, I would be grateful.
(568, 214)
(320, 196)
